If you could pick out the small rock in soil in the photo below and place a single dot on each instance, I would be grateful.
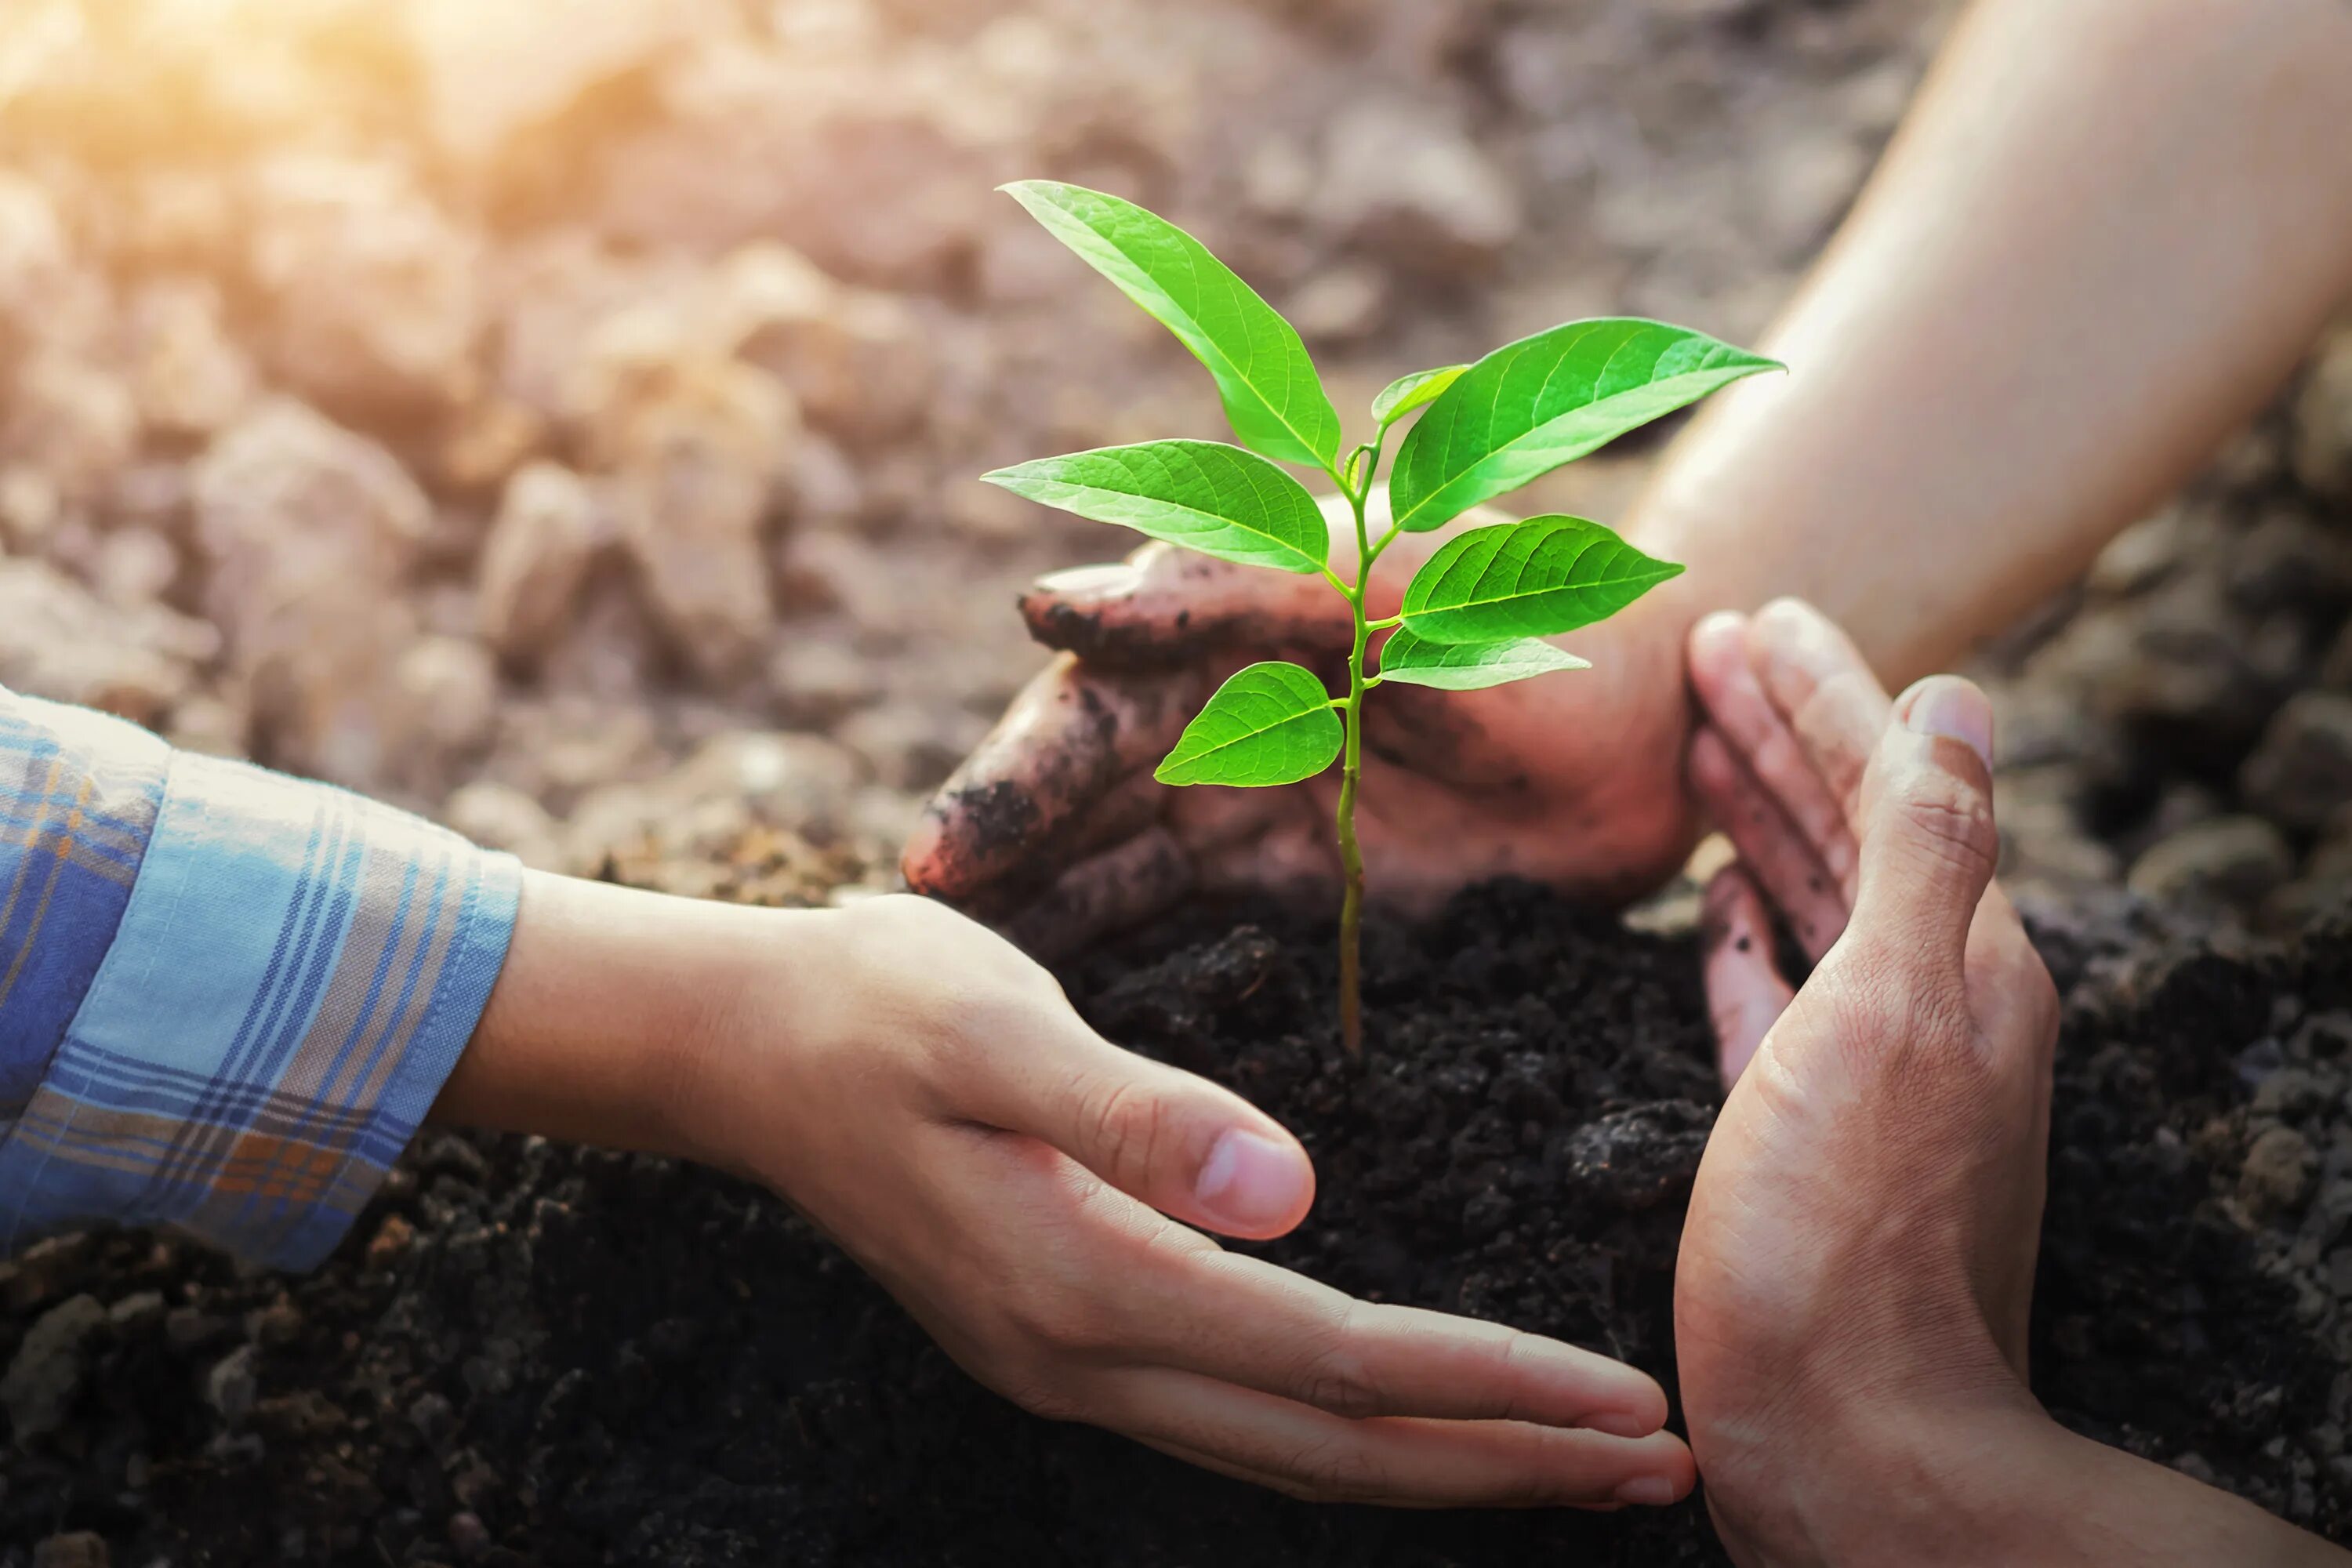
(2302, 772)
(2234, 860)
(189, 1331)
(1401, 179)
(38, 1389)
(232, 1384)
(1637, 1158)
(2277, 1171)
(137, 1314)
(2287, 562)
(77, 1548)
(549, 528)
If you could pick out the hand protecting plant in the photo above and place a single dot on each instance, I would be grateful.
(1475, 614)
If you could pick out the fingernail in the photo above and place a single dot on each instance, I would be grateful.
(1619, 1424)
(1089, 582)
(1947, 705)
(1716, 623)
(1249, 1182)
(1646, 1492)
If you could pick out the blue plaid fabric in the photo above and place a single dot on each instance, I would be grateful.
(228, 997)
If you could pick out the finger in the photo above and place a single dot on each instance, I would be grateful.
(1305, 1493)
(1320, 1347)
(1816, 675)
(1136, 802)
(1183, 1145)
(1163, 605)
(1771, 846)
(1928, 842)
(1745, 992)
(1759, 731)
(1122, 886)
(1399, 1461)
(1289, 854)
(1068, 743)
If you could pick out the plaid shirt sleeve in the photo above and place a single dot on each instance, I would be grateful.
(228, 997)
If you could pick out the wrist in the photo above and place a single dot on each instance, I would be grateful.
(621, 1018)
(1897, 1480)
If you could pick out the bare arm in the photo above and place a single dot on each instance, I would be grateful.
(2091, 1504)
(2104, 236)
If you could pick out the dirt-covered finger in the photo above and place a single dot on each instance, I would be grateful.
(1133, 805)
(1287, 852)
(1069, 740)
(1745, 992)
(1772, 848)
(1121, 887)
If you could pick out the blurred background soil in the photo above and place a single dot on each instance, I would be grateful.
(561, 419)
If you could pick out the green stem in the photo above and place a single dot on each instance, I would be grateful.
(1351, 860)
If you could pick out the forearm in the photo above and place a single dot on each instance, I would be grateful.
(2025, 1491)
(609, 1021)
(2104, 236)
(2095, 1505)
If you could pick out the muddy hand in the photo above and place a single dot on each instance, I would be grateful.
(1859, 1256)
(1056, 830)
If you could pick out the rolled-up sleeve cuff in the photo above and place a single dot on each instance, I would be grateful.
(292, 980)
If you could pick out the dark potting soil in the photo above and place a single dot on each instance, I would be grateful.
(533, 1354)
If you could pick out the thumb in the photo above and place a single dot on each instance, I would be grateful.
(1196, 1152)
(1163, 605)
(1928, 843)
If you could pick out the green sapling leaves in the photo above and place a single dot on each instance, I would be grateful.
(1409, 660)
(1272, 723)
(1204, 495)
(1532, 579)
(1531, 405)
(1407, 393)
(1272, 394)
(1475, 614)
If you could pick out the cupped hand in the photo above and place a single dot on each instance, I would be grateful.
(1036, 1197)
(1055, 831)
(1858, 1261)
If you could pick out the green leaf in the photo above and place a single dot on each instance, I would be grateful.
(1272, 394)
(1204, 495)
(1272, 723)
(1532, 579)
(1407, 393)
(1410, 660)
(1531, 405)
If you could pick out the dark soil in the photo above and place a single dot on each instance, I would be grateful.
(533, 1354)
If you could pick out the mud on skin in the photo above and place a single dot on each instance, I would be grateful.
(554, 1356)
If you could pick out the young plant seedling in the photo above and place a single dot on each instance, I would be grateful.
(1477, 613)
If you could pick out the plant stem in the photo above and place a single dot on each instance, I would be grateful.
(1351, 860)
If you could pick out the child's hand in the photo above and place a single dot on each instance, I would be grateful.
(926, 1096)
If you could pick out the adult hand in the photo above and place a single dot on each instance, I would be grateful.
(1858, 1261)
(1056, 830)
(1029, 1191)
